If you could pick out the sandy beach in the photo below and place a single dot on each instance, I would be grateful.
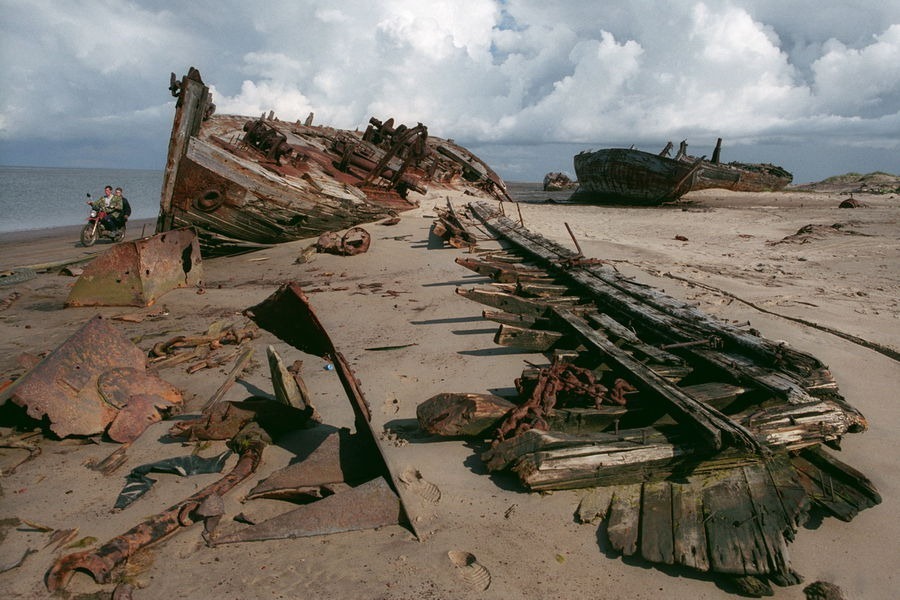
(738, 256)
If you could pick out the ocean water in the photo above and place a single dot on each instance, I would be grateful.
(40, 197)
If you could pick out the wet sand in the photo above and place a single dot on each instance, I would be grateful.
(400, 294)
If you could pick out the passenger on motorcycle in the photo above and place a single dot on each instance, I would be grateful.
(126, 208)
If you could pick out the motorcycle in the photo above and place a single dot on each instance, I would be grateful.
(96, 228)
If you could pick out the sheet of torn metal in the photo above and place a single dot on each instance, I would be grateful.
(338, 458)
(137, 273)
(288, 315)
(64, 387)
(368, 506)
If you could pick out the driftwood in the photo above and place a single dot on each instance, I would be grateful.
(461, 414)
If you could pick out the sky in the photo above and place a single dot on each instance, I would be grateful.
(811, 85)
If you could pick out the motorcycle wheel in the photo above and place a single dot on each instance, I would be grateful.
(119, 235)
(89, 235)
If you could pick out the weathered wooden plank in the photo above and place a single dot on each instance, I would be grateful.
(769, 518)
(714, 393)
(506, 318)
(501, 272)
(616, 330)
(657, 543)
(688, 531)
(715, 429)
(541, 290)
(734, 546)
(585, 420)
(623, 519)
(537, 340)
(503, 301)
(794, 499)
(834, 486)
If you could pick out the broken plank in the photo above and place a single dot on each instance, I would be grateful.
(536, 340)
(506, 318)
(507, 302)
(688, 531)
(734, 546)
(657, 544)
(623, 519)
(769, 518)
(450, 414)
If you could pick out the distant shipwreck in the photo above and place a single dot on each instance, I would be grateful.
(244, 182)
(633, 176)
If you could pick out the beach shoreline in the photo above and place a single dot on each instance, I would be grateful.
(400, 295)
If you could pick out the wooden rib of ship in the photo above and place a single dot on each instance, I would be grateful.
(633, 176)
(711, 438)
(245, 182)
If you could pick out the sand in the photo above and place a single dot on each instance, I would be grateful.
(400, 293)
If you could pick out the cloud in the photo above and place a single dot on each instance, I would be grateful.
(486, 72)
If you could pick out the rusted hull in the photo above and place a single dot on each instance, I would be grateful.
(633, 176)
(248, 181)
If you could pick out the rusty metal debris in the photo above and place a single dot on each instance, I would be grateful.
(101, 562)
(339, 458)
(368, 506)
(81, 390)
(355, 241)
(137, 273)
(562, 384)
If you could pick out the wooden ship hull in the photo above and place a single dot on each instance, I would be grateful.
(714, 442)
(244, 182)
(634, 176)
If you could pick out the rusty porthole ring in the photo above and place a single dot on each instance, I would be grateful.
(209, 201)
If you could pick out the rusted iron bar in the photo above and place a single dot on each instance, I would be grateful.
(101, 562)
(572, 235)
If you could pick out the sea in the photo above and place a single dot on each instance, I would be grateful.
(43, 197)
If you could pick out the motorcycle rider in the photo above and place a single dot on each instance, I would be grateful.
(111, 205)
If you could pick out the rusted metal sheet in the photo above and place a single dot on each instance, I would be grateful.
(64, 386)
(137, 273)
(339, 458)
(368, 506)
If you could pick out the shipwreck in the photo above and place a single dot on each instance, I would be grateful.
(634, 176)
(714, 442)
(245, 182)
